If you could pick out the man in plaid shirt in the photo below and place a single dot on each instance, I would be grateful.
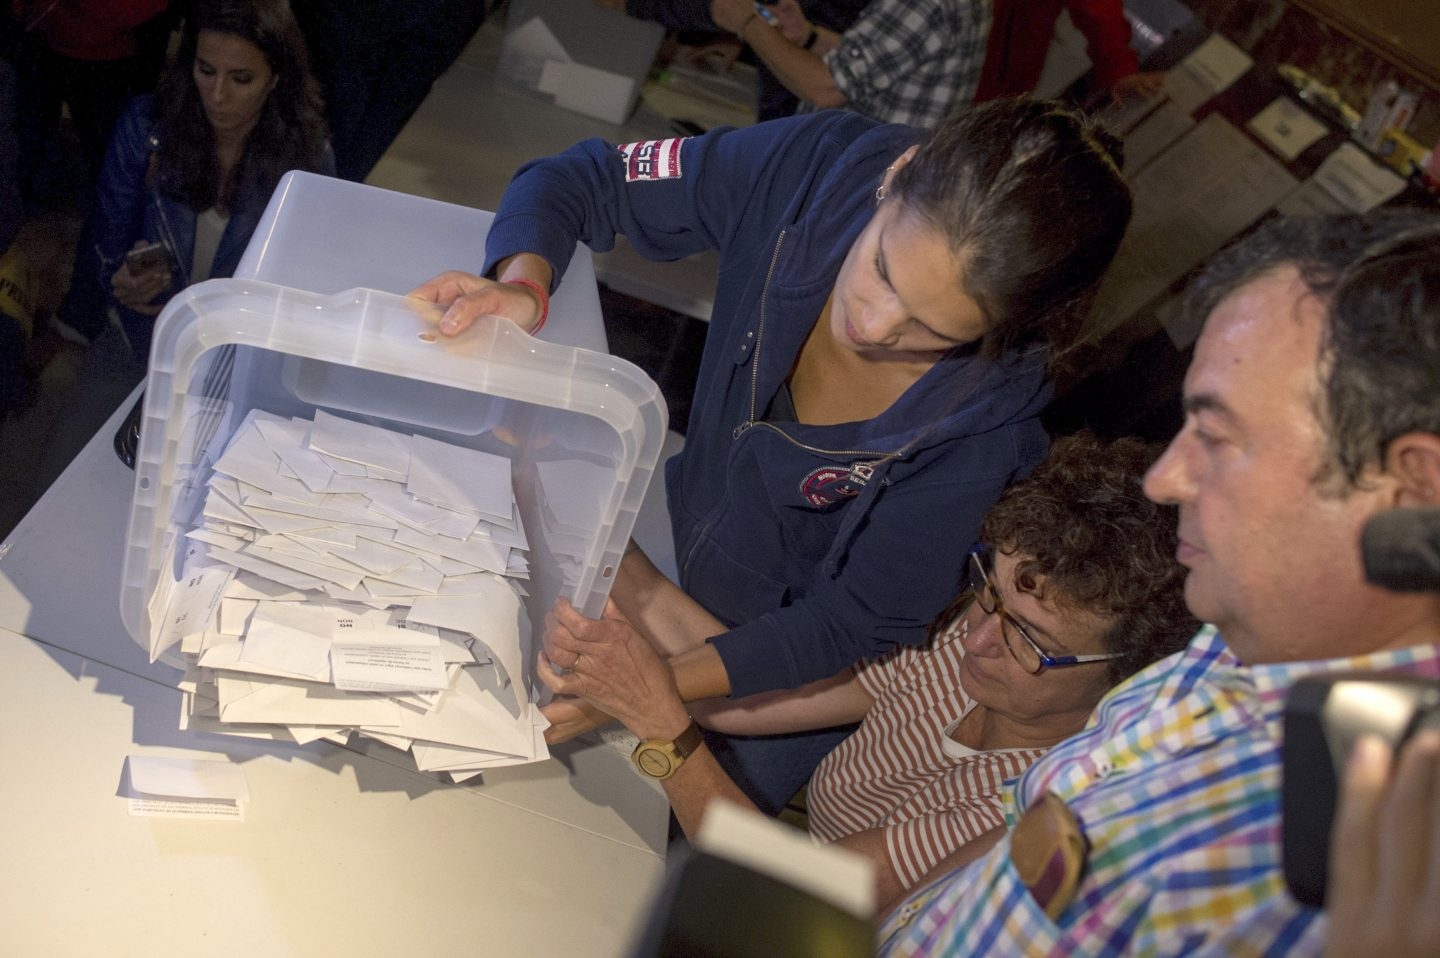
(903, 61)
(1309, 408)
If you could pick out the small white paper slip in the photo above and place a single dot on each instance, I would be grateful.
(193, 603)
(184, 788)
(288, 441)
(1355, 180)
(368, 657)
(387, 668)
(360, 442)
(453, 477)
(575, 491)
(292, 637)
(842, 877)
(1286, 128)
(1209, 70)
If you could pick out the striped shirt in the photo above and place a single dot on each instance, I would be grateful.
(899, 771)
(911, 61)
(1176, 783)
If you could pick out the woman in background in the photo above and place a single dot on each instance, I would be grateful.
(193, 167)
(187, 176)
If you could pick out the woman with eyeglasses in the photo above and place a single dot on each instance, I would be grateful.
(1078, 590)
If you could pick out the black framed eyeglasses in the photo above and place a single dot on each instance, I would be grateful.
(1027, 653)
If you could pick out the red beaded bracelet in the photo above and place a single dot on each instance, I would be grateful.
(544, 299)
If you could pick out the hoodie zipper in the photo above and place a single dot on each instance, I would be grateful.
(876, 456)
(760, 335)
(744, 427)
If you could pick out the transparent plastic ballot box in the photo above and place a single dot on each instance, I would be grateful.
(325, 235)
(582, 430)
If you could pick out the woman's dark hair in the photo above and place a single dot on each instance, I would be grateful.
(1030, 197)
(289, 135)
(1082, 521)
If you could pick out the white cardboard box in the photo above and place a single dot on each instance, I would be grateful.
(591, 60)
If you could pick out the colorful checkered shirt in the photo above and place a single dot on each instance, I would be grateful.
(1176, 783)
(912, 61)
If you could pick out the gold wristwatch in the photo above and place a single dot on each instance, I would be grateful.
(660, 759)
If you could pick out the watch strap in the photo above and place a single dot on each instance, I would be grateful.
(688, 741)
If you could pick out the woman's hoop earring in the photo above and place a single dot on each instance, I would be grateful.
(882, 191)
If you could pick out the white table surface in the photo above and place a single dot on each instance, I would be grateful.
(347, 850)
(338, 854)
(344, 850)
(60, 584)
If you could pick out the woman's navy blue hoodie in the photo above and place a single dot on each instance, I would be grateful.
(818, 545)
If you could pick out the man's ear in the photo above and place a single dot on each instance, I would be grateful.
(1414, 461)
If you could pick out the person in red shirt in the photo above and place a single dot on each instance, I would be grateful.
(89, 56)
(1020, 37)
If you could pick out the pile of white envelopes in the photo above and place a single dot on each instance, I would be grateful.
(343, 579)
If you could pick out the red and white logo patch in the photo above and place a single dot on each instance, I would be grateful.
(652, 160)
(827, 485)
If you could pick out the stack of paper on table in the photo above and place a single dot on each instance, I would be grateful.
(344, 578)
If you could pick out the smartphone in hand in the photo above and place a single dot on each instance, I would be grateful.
(153, 256)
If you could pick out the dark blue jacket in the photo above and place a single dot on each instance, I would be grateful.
(818, 545)
(130, 208)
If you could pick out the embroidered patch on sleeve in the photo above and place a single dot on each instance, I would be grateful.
(652, 160)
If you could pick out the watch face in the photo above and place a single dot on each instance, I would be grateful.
(653, 762)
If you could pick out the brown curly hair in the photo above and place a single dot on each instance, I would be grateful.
(1082, 522)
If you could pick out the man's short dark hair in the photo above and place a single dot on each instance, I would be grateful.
(1378, 276)
(1382, 351)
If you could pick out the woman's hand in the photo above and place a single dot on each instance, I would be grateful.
(137, 290)
(1384, 891)
(719, 56)
(611, 666)
(791, 21)
(466, 297)
(570, 716)
(732, 15)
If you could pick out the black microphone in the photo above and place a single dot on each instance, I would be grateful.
(1401, 549)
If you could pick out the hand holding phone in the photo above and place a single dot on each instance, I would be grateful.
(143, 277)
(147, 258)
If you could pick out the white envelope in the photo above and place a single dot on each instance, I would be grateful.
(423, 516)
(457, 478)
(290, 637)
(234, 615)
(481, 553)
(330, 511)
(187, 778)
(470, 717)
(360, 442)
(492, 615)
(227, 658)
(291, 702)
(222, 539)
(248, 585)
(288, 441)
(303, 567)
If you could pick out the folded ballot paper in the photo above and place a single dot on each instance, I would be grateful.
(346, 579)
